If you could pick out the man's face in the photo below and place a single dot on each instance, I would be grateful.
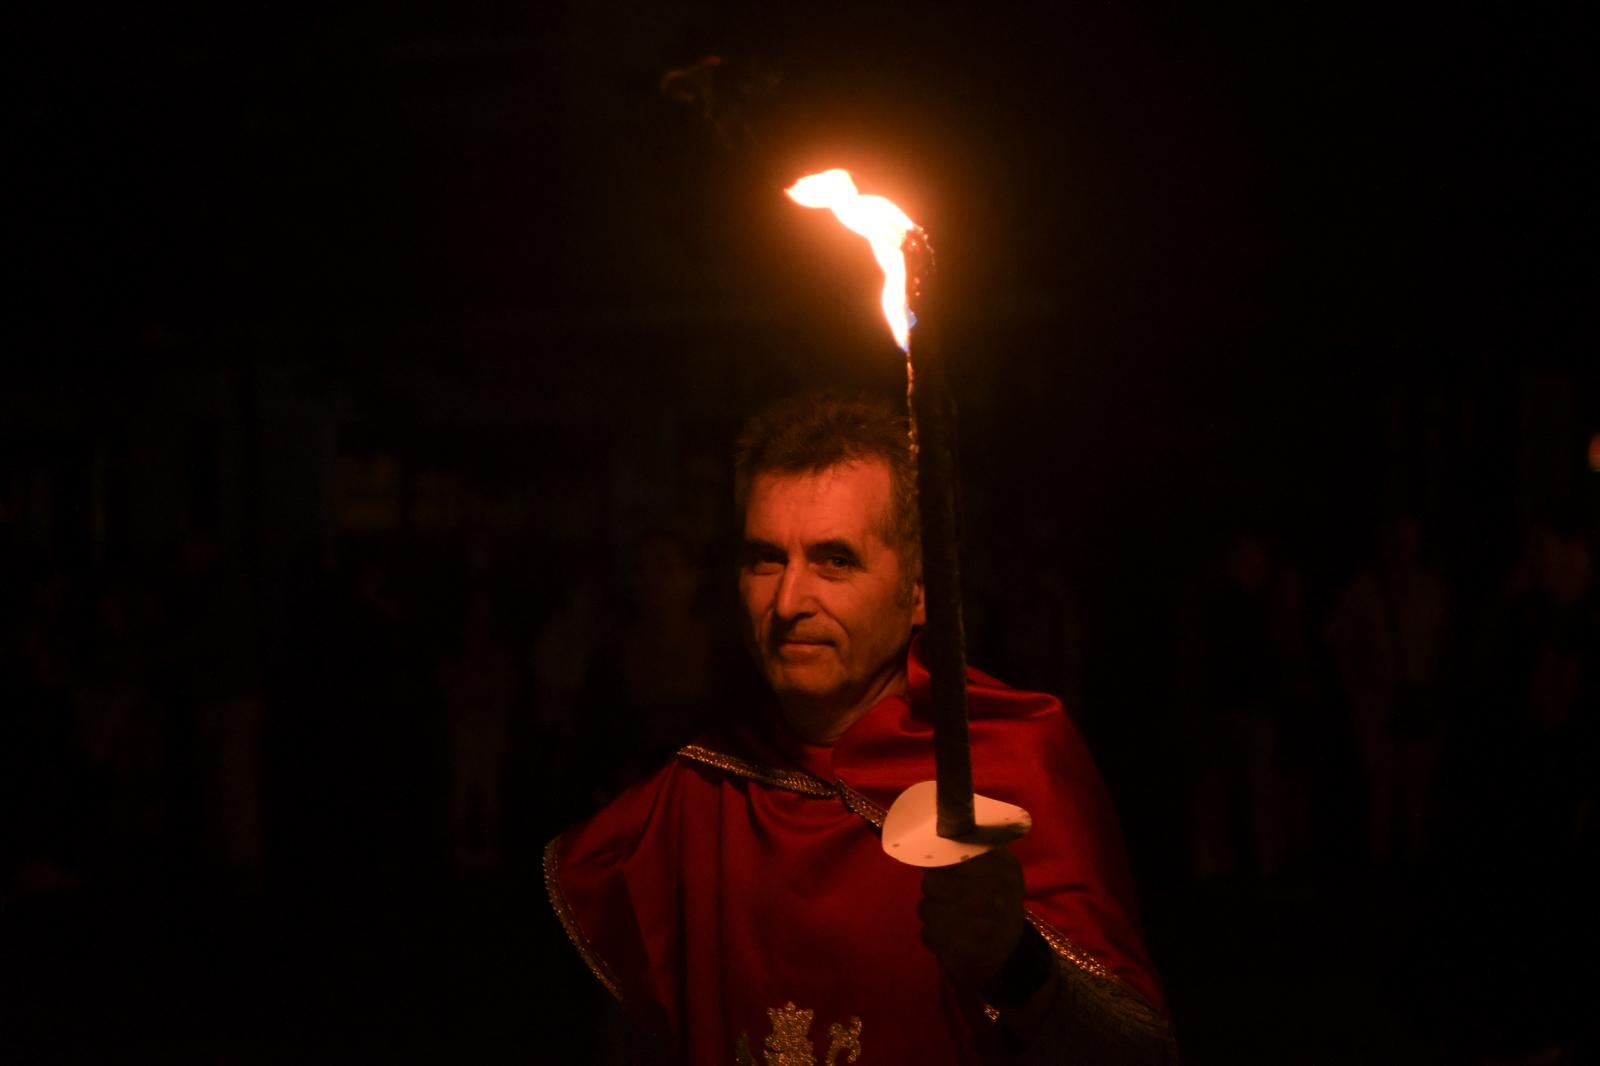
(822, 587)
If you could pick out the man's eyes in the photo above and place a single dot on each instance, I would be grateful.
(763, 563)
(830, 564)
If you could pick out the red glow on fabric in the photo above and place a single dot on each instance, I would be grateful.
(713, 898)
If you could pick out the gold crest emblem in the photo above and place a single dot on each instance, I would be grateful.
(789, 1043)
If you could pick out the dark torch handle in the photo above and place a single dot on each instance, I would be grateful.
(943, 642)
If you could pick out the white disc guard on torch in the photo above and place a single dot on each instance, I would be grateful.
(911, 828)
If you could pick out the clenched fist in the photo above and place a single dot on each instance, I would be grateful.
(972, 916)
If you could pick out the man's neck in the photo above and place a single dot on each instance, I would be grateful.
(819, 723)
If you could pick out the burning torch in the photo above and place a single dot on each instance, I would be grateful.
(939, 822)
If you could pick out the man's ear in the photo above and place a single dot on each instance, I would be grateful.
(919, 604)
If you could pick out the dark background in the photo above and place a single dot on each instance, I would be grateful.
(370, 376)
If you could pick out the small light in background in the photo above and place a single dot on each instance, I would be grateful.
(1594, 453)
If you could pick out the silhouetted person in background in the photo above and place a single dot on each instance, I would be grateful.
(1523, 850)
(121, 724)
(214, 680)
(362, 765)
(651, 688)
(478, 679)
(1036, 624)
(563, 652)
(1388, 635)
(43, 765)
(1242, 678)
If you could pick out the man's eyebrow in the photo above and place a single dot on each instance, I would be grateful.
(833, 547)
(754, 546)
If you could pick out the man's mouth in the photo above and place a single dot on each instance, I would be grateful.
(796, 645)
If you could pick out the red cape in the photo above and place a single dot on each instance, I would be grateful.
(747, 874)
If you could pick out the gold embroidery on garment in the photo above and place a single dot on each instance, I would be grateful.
(789, 780)
(558, 902)
(844, 1039)
(789, 1043)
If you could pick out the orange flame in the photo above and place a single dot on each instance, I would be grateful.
(884, 226)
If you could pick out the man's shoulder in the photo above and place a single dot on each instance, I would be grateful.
(695, 774)
(636, 804)
(1017, 722)
(1028, 736)
(989, 697)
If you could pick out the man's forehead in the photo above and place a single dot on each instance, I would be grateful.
(848, 498)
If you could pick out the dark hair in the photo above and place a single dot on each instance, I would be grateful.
(817, 430)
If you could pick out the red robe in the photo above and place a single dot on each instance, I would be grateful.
(747, 874)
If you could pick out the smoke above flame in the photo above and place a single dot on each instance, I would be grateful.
(884, 226)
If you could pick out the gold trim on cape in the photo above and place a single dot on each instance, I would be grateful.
(861, 806)
(789, 780)
(558, 902)
(1129, 1009)
(1061, 945)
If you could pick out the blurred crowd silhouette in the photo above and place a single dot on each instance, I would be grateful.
(1386, 772)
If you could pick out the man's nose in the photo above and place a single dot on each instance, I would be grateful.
(794, 599)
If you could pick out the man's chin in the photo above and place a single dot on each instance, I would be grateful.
(803, 681)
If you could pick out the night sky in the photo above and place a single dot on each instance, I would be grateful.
(1176, 232)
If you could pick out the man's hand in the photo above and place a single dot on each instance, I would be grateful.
(972, 915)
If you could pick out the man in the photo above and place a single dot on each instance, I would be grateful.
(738, 903)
